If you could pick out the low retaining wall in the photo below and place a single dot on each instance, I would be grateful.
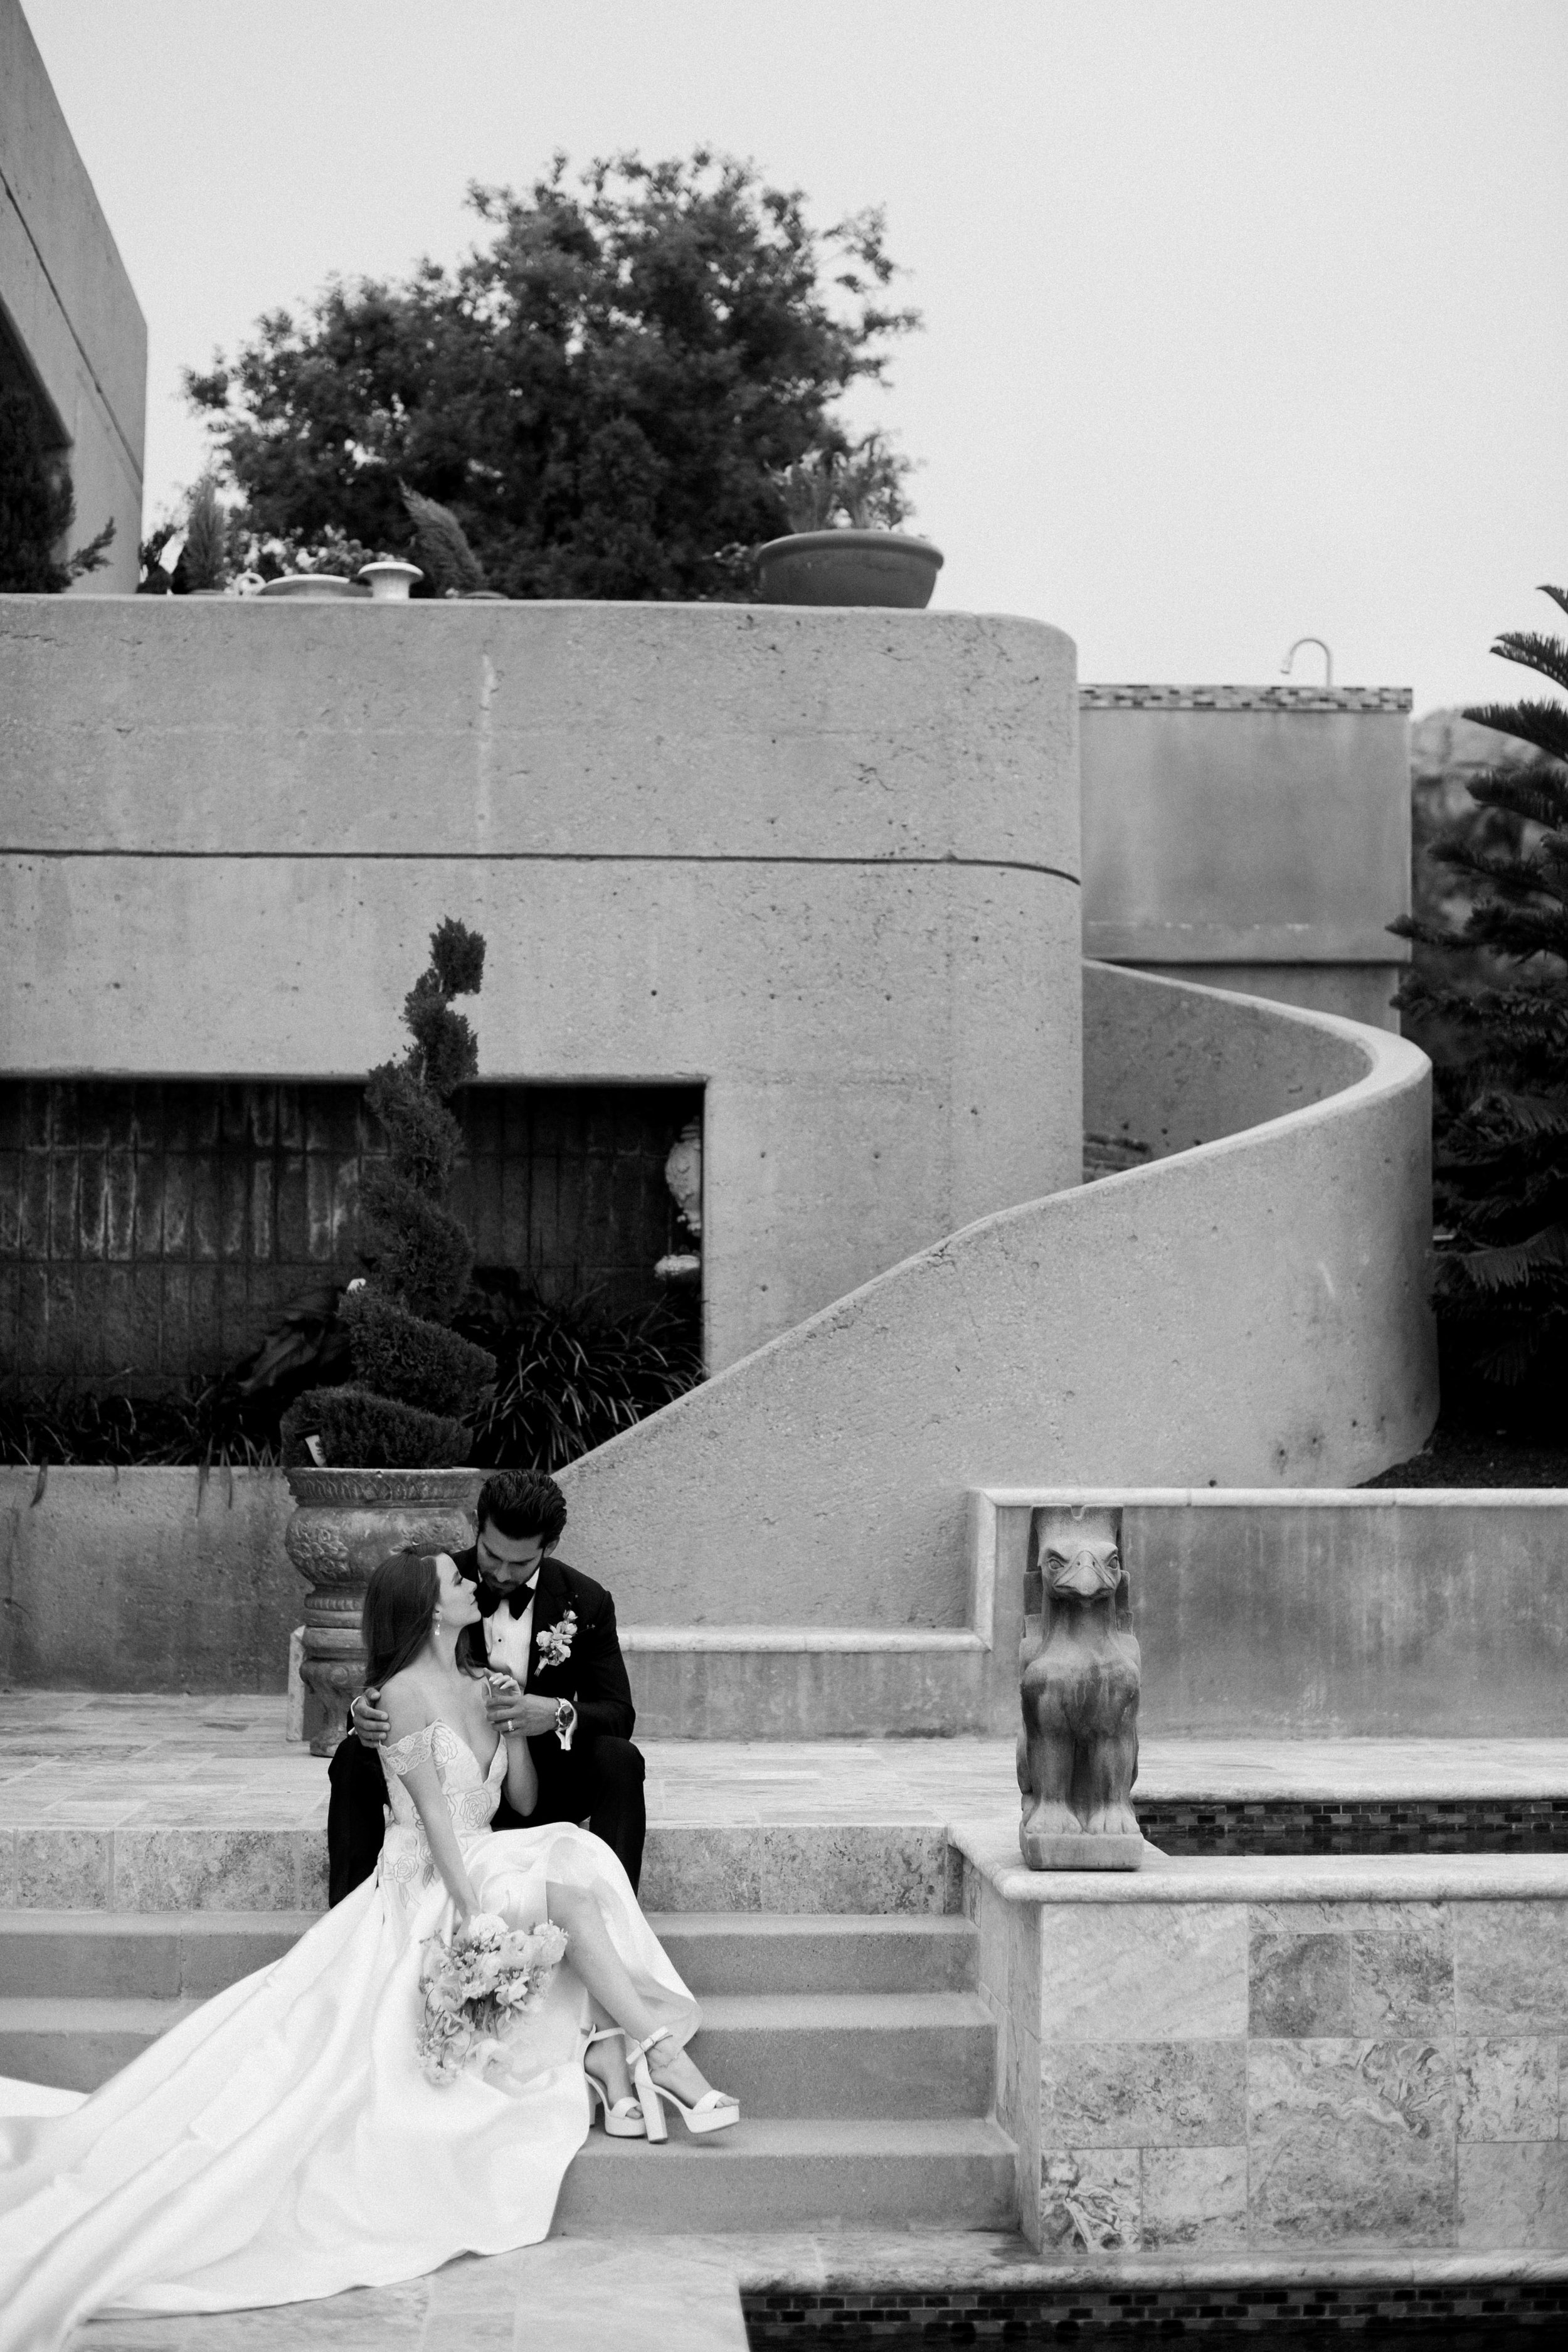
(146, 1580)
(1397, 1613)
(1273, 2058)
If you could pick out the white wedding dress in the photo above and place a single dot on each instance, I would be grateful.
(282, 2143)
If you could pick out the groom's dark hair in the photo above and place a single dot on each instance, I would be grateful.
(521, 1502)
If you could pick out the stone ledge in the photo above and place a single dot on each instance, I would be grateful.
(1278, 1498)
(1354, 699)
(792, 1640)
(994, 2260)
(992, 1847)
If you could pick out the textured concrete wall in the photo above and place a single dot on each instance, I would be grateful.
(824, 862)
(146, 1580)
(1251, 1312)
(70, 304)
(1250, 838)
(1391, 1614)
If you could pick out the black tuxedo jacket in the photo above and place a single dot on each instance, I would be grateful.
(593, 1675)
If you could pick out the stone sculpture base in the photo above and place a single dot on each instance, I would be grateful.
(1085, 1852)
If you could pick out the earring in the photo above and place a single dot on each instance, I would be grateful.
(435, 1623)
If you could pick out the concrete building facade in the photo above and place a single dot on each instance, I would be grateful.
(822, 865)
(1253, 838)
(71, 330)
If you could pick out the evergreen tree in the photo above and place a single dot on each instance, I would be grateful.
(1501, 1111)
(604, 394)
(416, 1384)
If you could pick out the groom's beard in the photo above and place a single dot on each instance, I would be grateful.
(516, 1599)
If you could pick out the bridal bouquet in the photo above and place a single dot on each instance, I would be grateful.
(479, 1990)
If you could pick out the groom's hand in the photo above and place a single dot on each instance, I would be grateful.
(370, 1721)
(509, 1710)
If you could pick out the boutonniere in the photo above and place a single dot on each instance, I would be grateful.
(555, 1642)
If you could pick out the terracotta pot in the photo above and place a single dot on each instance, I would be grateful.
(345, 1524)
(848, 567)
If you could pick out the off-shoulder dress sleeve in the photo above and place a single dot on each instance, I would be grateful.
(401, 1756)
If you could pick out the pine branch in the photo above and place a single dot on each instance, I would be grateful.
(1543, 723)
(1539, 795)
(1547, 656)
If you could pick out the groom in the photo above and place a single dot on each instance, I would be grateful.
(554, 1631)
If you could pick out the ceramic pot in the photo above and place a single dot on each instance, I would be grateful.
(313, 586)
(848, 567)
(388, 580)
(345, 1524)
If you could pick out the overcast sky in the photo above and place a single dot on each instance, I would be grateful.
(1244, 318)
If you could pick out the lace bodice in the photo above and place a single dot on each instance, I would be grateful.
(471, 1795)
(408, 1864)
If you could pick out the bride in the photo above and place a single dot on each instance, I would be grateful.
(283, 2143)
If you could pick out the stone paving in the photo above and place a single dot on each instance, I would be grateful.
(86, 1760)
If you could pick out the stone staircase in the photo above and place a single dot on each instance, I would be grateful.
(859, 2047)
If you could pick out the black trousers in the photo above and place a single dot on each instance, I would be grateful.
(599, 1781)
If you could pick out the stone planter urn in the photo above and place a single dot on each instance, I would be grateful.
(388, 580)
(850, 567)
(345, 1524)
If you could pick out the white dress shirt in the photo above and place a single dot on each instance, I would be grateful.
(507, 1640)
(509, 1646)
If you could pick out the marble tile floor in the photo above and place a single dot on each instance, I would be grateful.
(96, 1760)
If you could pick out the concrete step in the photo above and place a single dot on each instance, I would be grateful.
(138, 1955)
(953, 2174)
(796, 2056)
(819, 1681)
(878, 2055)
(127, 1955)
(76, 2044)
(728, 1952)
(886, 1862)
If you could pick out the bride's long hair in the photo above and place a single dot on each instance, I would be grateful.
(399, 1609)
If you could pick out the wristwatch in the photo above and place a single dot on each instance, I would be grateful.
(565, 1723)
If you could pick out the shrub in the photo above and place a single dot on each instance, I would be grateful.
(38, 507)
(567, 1378)
(416, 1384)
(357, 1428)
(397, 1354)
(203, 1425)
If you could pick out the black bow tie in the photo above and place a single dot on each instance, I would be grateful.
(517, 1601)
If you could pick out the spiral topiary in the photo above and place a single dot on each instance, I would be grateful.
(416, 1382)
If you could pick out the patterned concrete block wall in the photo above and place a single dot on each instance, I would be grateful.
(1293, 2059)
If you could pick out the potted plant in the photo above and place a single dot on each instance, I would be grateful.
(845, 504)
(326, 565)
(374, 1464)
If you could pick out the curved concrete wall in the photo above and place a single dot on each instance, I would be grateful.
(824, 862)
(1249, 1311)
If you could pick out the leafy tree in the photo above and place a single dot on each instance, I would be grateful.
(38, 507)
(1501, 1126)
(605, 393)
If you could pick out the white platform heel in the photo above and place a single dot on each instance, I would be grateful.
(624, 2118)
(715, 2111)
